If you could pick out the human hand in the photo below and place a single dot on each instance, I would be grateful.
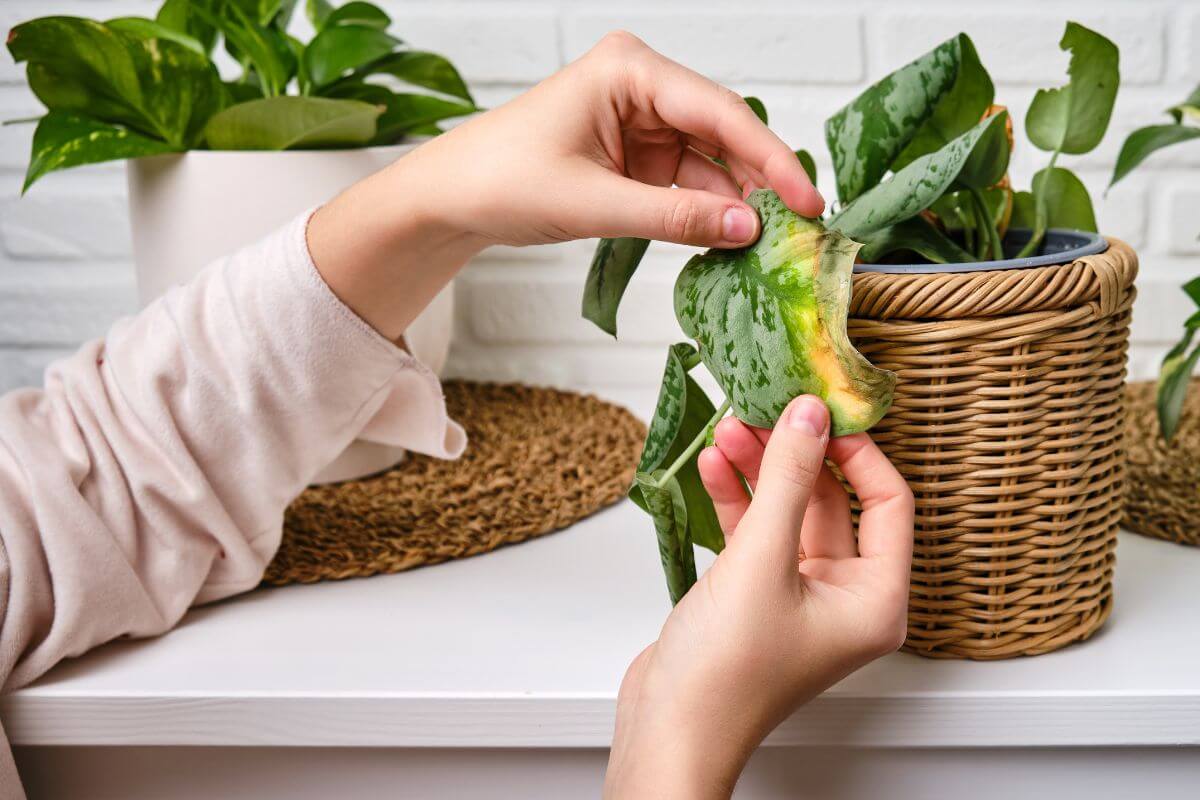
(592, 151)
(791, 606)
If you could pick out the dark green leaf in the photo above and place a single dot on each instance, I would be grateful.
(264, 49)
(88, 69)
(317, 11)
(1145, 141)
(259, 13)
(613, 265)
(917, 236)
(911, 190)
(810, 166)
(403, 114)
(1192, 290)
(178, 16)
(1068, 204)
(341, 49)
(427, 70)
(149, 29)
(65, 140)
(866, 137)
(1073, 118)
(1024, 211)
(988, 162)
(358, 13)
(667, 508)
(682, 413)
(1174, 378)
(770, 320)
(757, 107)
(286, 123)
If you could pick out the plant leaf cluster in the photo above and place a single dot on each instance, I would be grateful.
(132, 86)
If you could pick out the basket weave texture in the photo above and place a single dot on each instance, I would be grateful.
(1008, 425)
(1163, 495)
(538, 460)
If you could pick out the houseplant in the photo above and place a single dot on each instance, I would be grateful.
(995, 360)
(216, 162)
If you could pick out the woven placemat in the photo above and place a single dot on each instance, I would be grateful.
(1162, 497)
(537, 461)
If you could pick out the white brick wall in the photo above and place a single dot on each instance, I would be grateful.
(65, 270)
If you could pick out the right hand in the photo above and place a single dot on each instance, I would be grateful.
(793, 604)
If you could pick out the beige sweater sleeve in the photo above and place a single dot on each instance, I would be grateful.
(152, 470)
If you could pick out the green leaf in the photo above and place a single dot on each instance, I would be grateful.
(317, 11)
(667, 508)
(1145, 141)
(1174, 378)
(682, 414)
(1073, 118)
(1068, 204)
(940, 94)
(810, 166)
(149, 29)
(178, 16)
(65, 140)
(613, 265)
(343, 48)
(259, 13)
(911, 190)
(88, 69)
(1189, 108)
(1024, 211)
(403, 113)
(293, 123)
(428, 70)
(770, 320)
(988, 162)
(357, 13)
(917, 236)
(265, 49)
(757, 107)
(1192, 290)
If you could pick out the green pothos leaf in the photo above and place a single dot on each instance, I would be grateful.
(1192, 290)
(1188, 109)
(810, 166)
(1073, 118)
(1024, 210)
(65, 140)
(917, 236)
(1068, 204)
(770, 320)
(932, 100)
(613, 265)
(757, 107)
(683, 413)
(1174, 378)
(1143, 142)
(669, 512)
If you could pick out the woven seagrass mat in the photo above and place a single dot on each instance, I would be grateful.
(537, 461)
(1162, 497)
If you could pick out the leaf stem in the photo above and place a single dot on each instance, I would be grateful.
(692, 447)
(1039, 198)
(985, 219)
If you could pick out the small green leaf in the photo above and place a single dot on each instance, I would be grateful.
(1068, 204)
(613, 265)
(265, 49)
(65, 140)
(911, 190)
(770, 320)
(917, 236)
(1174, 378)
(925, 97)
(757, 107)
(667, 508)
(358, 13)
(1192, 290)
(286, 122)
(988, 162)
(340, 49)
(1145, 141)
(1189, 108)
(1073, 118)
(428, 70)
(317, 11)
(810, 166)
(148, 29)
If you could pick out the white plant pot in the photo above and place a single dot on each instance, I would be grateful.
(190, 209)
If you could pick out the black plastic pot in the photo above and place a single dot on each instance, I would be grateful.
(1060, 246)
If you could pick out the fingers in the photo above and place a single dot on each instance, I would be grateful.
(685, 216)
(724, 487)
(885, 528)
(791, 464)
(741, 447)
(828, 532)
(697, 172)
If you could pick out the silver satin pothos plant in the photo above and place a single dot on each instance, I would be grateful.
(920, 162)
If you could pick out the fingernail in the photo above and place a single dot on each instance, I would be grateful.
(808, 415)
(737, 225)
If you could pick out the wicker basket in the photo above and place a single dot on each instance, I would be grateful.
(1008, 424)
(1163, 495)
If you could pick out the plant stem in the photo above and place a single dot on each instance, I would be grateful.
(989, 225)
(692, 447)
(1039, 199)
(982, 242)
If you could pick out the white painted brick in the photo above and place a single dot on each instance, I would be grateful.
(46, 304)
(564, 367)
(489, 42)
(1182, 219)
(1186, 42)
(20, 367)
(810, 45)
(1161, 306)
(45, 225)
(1020, 45)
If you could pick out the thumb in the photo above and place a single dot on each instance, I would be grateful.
(684, 216)
(791, 464)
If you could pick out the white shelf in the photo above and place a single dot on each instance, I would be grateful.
(526, 647)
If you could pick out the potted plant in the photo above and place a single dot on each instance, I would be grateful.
(990, 326)
(215, 163)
